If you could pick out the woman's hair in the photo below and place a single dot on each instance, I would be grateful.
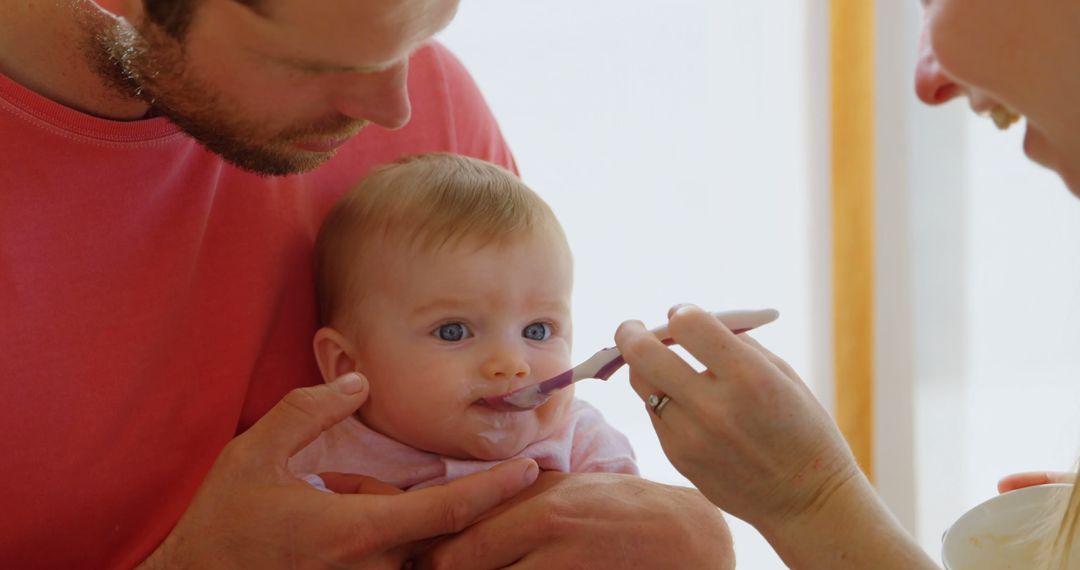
(1066, 537)
(424, 202)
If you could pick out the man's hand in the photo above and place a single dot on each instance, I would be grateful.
(250, 512)
(592, 520)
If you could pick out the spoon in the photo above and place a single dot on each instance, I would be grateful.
(605, 362)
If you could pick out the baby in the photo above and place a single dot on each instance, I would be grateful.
(445, 280)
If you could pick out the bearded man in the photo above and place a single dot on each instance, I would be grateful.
(162, 175)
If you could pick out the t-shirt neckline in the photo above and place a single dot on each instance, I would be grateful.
(37, 108)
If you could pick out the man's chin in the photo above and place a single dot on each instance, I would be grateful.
(267, 158)
(271, 162)
(280, 159)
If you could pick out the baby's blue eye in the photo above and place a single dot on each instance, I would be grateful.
(452, 332)
(537, 331)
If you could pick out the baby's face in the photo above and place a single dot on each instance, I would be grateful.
(435, 333)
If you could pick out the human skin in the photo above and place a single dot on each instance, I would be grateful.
(756, 442)
(47, 46)
(548, 526)
(1032, 478)
(746, 430)
(1022, 56)
(251, 512)
(323, 71)
(275, 92)
(428, 392)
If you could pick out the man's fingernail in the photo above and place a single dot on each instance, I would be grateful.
(532, 471)
(349, 384)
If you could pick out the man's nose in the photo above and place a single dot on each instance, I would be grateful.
(505, 361)
(381, 97)
(932, 84)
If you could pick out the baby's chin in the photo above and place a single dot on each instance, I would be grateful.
(517, 430)
(498, 445)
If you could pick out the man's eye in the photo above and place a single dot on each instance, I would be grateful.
(537, 331)
(452, 332)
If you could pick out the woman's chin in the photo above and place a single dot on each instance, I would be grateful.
(1041, 152)
(1037, 149)
(1071, 177)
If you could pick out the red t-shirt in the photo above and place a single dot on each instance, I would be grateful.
(154, 301)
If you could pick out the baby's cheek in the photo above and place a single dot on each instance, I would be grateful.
(554, 411)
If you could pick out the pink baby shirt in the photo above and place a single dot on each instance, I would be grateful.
(584, 443)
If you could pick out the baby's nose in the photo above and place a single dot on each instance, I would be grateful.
(506, 362)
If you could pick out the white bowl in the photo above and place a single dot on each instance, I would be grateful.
(1008, 532)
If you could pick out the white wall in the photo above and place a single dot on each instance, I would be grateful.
(1010, 401)
(674, 142)
(1024, 306)
(683, 145)
(979, 294)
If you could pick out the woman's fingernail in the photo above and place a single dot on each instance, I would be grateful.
(631, 323)
(349, 384)
(675, 309)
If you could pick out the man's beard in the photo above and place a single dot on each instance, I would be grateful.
(148, 64)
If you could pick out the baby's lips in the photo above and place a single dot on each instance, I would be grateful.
(489, 395)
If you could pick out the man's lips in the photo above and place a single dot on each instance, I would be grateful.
(323, 145)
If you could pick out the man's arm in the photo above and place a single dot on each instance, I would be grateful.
(592, 520)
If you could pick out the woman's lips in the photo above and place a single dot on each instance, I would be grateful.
(1003, 117)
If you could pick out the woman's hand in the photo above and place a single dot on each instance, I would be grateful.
(756, 442)
(746, 431)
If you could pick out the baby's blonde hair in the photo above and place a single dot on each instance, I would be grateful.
(426, 202)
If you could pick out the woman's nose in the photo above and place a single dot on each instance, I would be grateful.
(381, 97)
(932, 84)
(505, 362)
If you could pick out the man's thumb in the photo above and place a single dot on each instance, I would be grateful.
(303, 414)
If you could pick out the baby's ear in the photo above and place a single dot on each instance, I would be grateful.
(333, 352)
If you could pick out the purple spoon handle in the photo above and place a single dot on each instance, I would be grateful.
(567, 378)
(575, 374)
(605, 362)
